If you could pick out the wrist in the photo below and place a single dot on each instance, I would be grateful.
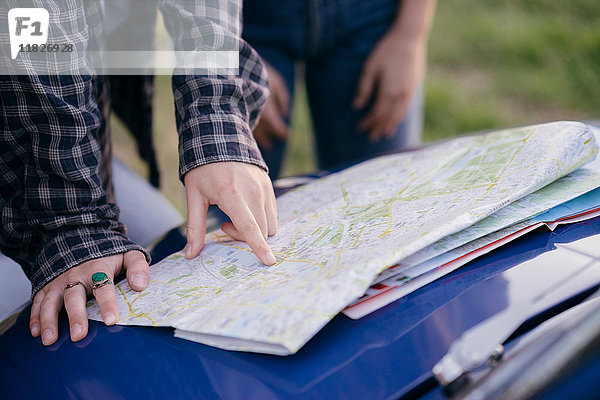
(71, 248)
(404, 45)
(399, 31)
(413, 20)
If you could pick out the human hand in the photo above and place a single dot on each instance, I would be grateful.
(242, 191)
(272, 120)
(391, 74)
(48, 302)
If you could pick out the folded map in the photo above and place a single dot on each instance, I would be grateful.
(338, 233)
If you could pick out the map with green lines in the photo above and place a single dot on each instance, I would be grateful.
(338, 233)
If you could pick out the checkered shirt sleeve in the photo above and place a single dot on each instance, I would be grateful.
(215, 114)
(54, 210)
(54, 154)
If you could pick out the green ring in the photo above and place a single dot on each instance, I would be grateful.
(99, 277)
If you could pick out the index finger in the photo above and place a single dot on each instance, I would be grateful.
(396, 117)
(246, 224)
(377, 118)
(364, 88)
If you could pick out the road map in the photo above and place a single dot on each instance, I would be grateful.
(338, 233)
(515, 215)
(404, 278)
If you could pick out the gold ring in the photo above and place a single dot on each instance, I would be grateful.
(100, 279)
(73, 284)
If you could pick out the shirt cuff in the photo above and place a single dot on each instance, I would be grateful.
(71, 248)
(217, 138)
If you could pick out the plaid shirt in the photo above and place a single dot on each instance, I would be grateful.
(56, 205)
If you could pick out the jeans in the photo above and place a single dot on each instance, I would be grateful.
(333, 39)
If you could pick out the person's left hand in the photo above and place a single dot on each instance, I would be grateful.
(272, 125)
(48, 302)
(390, 74)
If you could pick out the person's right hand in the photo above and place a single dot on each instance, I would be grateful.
(272, 124)
(242, 191)
(48, 302)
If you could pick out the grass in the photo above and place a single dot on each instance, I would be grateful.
(491, 64)
(496, 64)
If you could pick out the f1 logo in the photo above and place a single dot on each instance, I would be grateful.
(27, 26)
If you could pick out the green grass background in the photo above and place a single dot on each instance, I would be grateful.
(491, 64)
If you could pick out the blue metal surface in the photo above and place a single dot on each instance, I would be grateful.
(383, 355)
(580, 384)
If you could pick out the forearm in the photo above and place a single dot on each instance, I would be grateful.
(413, 20)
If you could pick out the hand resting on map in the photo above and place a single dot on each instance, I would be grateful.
(48, 302)
(243, 191)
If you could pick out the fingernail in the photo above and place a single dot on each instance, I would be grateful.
(139, 280)
(188, 251)
(110, 318)
(46, 336)
(35, 329)
(270, 258)
(76, 331)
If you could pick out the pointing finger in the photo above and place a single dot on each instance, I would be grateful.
(257, 209)
(246, 225)
(271, 213)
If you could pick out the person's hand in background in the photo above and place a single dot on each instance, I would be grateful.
(394, 69)
(390, 76)
(242, 191)
(48, 302)
(272, 124)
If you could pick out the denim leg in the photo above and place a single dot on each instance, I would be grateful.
(285, 66)
(277, 31)
(334, 38)
(332, 77)
(274, 156)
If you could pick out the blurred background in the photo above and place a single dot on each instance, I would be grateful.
(491, 64)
